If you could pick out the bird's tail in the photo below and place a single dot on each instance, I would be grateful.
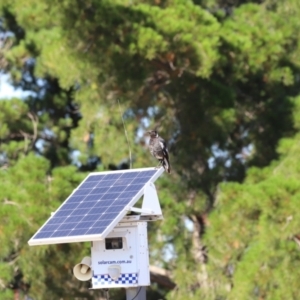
(166, 165)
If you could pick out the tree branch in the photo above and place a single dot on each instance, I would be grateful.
(199, 252)
(161, 277)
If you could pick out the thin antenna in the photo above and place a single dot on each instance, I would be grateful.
(126, 134)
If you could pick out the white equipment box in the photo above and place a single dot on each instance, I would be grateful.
(122, 259)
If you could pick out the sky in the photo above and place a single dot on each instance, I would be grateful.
(7, 91)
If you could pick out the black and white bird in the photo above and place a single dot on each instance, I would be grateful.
(158, 149)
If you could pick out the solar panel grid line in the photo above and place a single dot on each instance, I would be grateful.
(95, 206)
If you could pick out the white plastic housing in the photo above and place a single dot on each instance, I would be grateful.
(132, 260)
(82, 271)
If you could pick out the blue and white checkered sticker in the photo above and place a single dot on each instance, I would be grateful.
(105, 279)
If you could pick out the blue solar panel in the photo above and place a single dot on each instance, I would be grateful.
(98, 201)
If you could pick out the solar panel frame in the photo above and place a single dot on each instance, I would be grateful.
(88, 182)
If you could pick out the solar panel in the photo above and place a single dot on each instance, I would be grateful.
(95, 206)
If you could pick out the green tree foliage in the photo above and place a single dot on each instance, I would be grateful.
(255, 253)
(219, 78)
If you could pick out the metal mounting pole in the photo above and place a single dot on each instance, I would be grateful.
(136, 293)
